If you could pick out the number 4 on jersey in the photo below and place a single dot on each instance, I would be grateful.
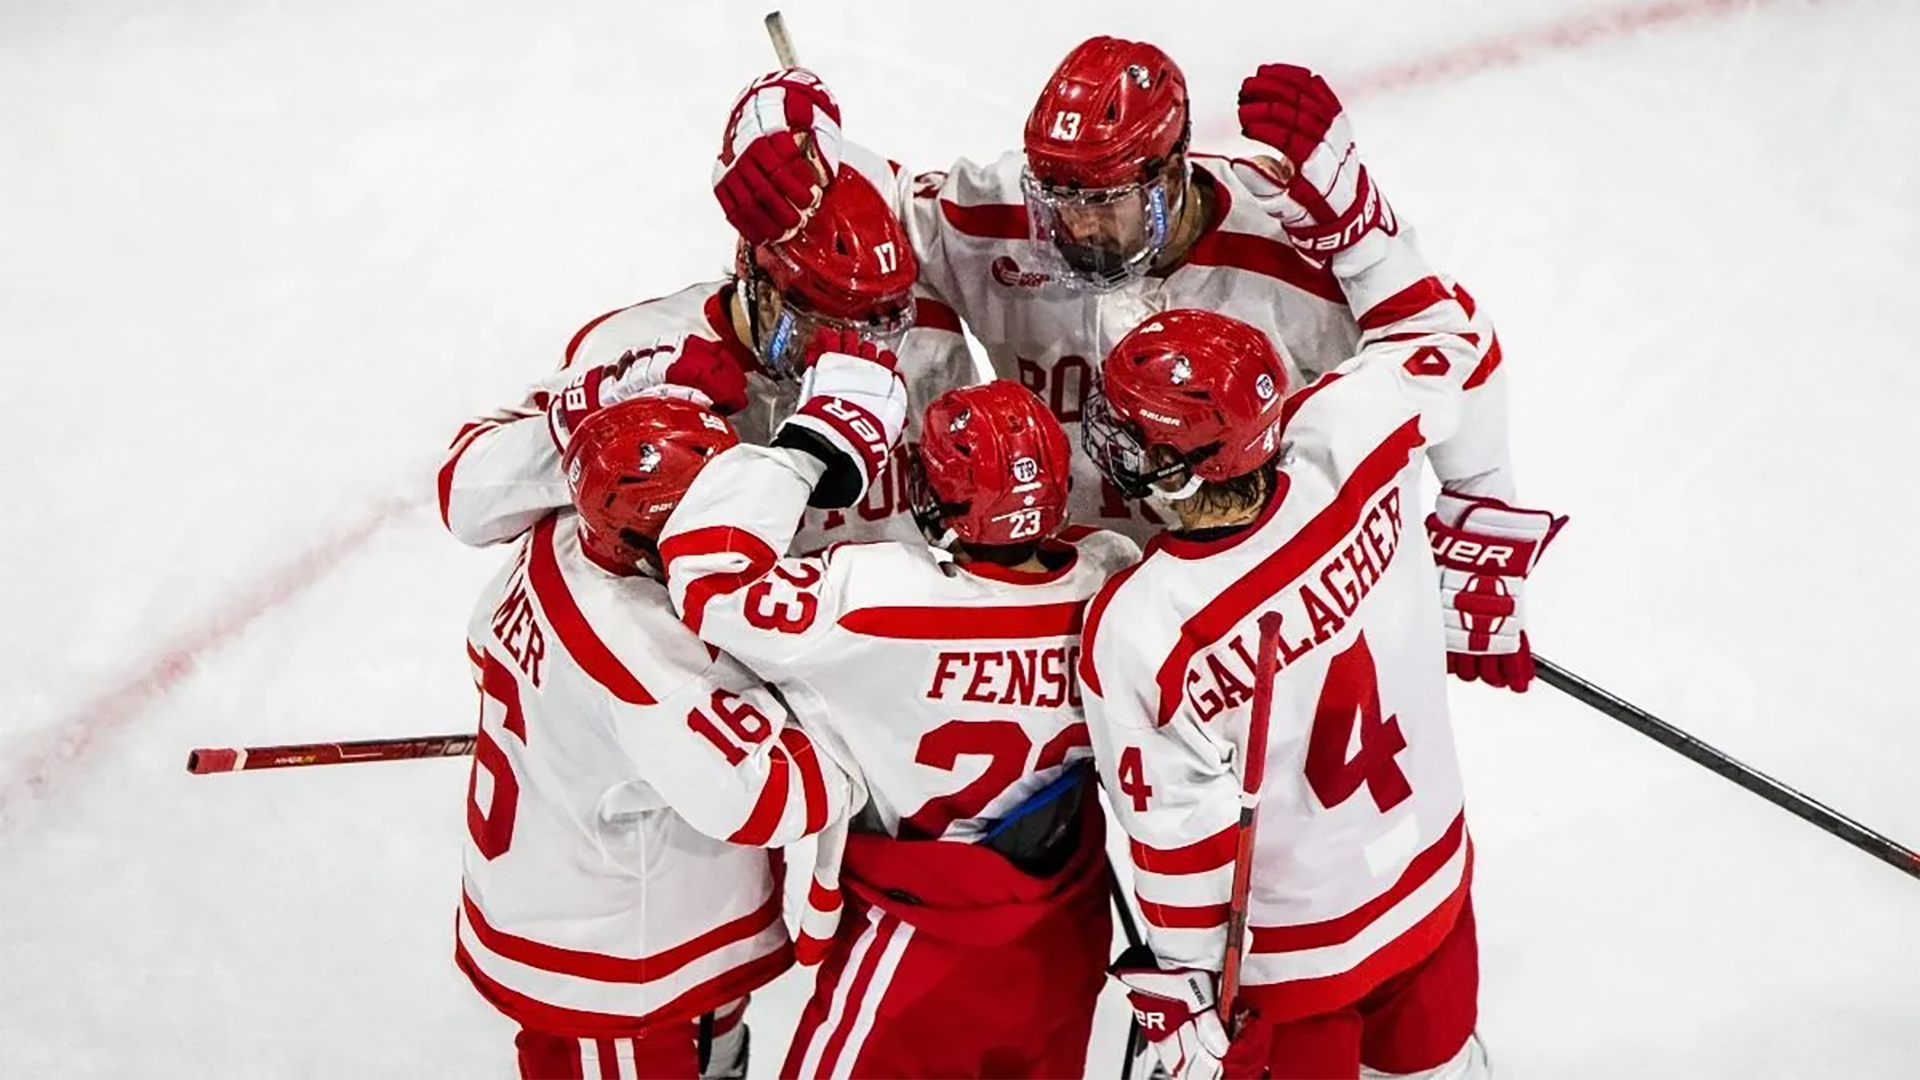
(1350, 697)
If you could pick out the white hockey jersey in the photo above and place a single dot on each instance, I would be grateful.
(951, 686)
(626, 783)
(969, 229)
(1362, 859)
(502, 472)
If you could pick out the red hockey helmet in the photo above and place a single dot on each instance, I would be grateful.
(1187, 394)
(627, 467)
(1106, 164)
(850, 267)
(993, 468)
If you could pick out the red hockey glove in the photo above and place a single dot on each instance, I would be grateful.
(1324, 198)
(781, 149)
(853, 408)
(1175, 1008)
(1485, 549)
(692, 368)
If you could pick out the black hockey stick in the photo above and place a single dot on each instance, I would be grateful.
(1804, 807)
(1132, 931)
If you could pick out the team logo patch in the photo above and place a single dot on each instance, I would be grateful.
(1139, 76)
(1026, 470)
(1182, 371)
(961, 420)
(649, 458)
(1263, 386)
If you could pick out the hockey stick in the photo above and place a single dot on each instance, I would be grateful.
(210, 759)
(1253, 769)
(1804, 807)
(1131, 930)
(782, 44)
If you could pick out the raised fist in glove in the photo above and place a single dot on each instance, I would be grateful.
(1321, 193)
(1485, 549)
(780, 151)
(852, 410)
(691, 367)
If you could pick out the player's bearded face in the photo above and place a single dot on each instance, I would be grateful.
(1105, 237)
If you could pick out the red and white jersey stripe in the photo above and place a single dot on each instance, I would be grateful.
(950, 685)
(624, 784)
(969, 228)
(1361, 855)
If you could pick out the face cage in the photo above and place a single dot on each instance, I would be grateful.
(928, 513)
(1123, 457)
(783, 347)
(1095, 265)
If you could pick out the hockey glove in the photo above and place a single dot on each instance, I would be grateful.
(781, 149)
(692, 368)
(1485, 549)
(853, 408)
(1321, 194)
(1175, 1008)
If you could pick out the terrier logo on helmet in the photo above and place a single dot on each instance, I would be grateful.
(1026, 470)
(649, 457)
(1139, 76)
(960, 420)
(1182, 371)
(1262, 386)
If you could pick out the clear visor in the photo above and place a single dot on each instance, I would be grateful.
(784, 347)
(1102, 237)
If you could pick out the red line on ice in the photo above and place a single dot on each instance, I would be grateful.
(72, 736)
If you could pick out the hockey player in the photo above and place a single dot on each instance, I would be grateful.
(975, 929)
(1361, 948)
(1050, 254)
(617, 900)
(738, 343)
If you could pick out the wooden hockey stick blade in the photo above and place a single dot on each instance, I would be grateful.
(1802, 806)
(782, 44)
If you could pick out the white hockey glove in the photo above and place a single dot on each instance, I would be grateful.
(1485, 549)
(1175, 1008)
(1321, 193)
(691, 367)
(780, 151)
(852, 411)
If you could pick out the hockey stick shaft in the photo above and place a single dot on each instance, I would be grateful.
(782, 44)
(1253, 770)
(1131, 930)
(213, 759)
(1802, 806)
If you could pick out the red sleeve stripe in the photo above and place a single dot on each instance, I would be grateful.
(1406, 303)
(962, 623)
(1267, 257)
(813, 782)
(601, 967)
(931, 314)
(1279, 569)
(1489, 363)
(1198, 857)
(577, 635)
(1273, 939)
(1461, 294)
(1178, 917)
(991, 221)
(1096, 609)
(770, 807)
(821, 898)
(715, 540)
(469, 434)
(536, 1015)
(573, 346)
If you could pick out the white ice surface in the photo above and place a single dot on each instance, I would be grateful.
(258, 261)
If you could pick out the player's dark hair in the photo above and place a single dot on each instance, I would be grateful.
(1248, 491)
(1000, 554)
